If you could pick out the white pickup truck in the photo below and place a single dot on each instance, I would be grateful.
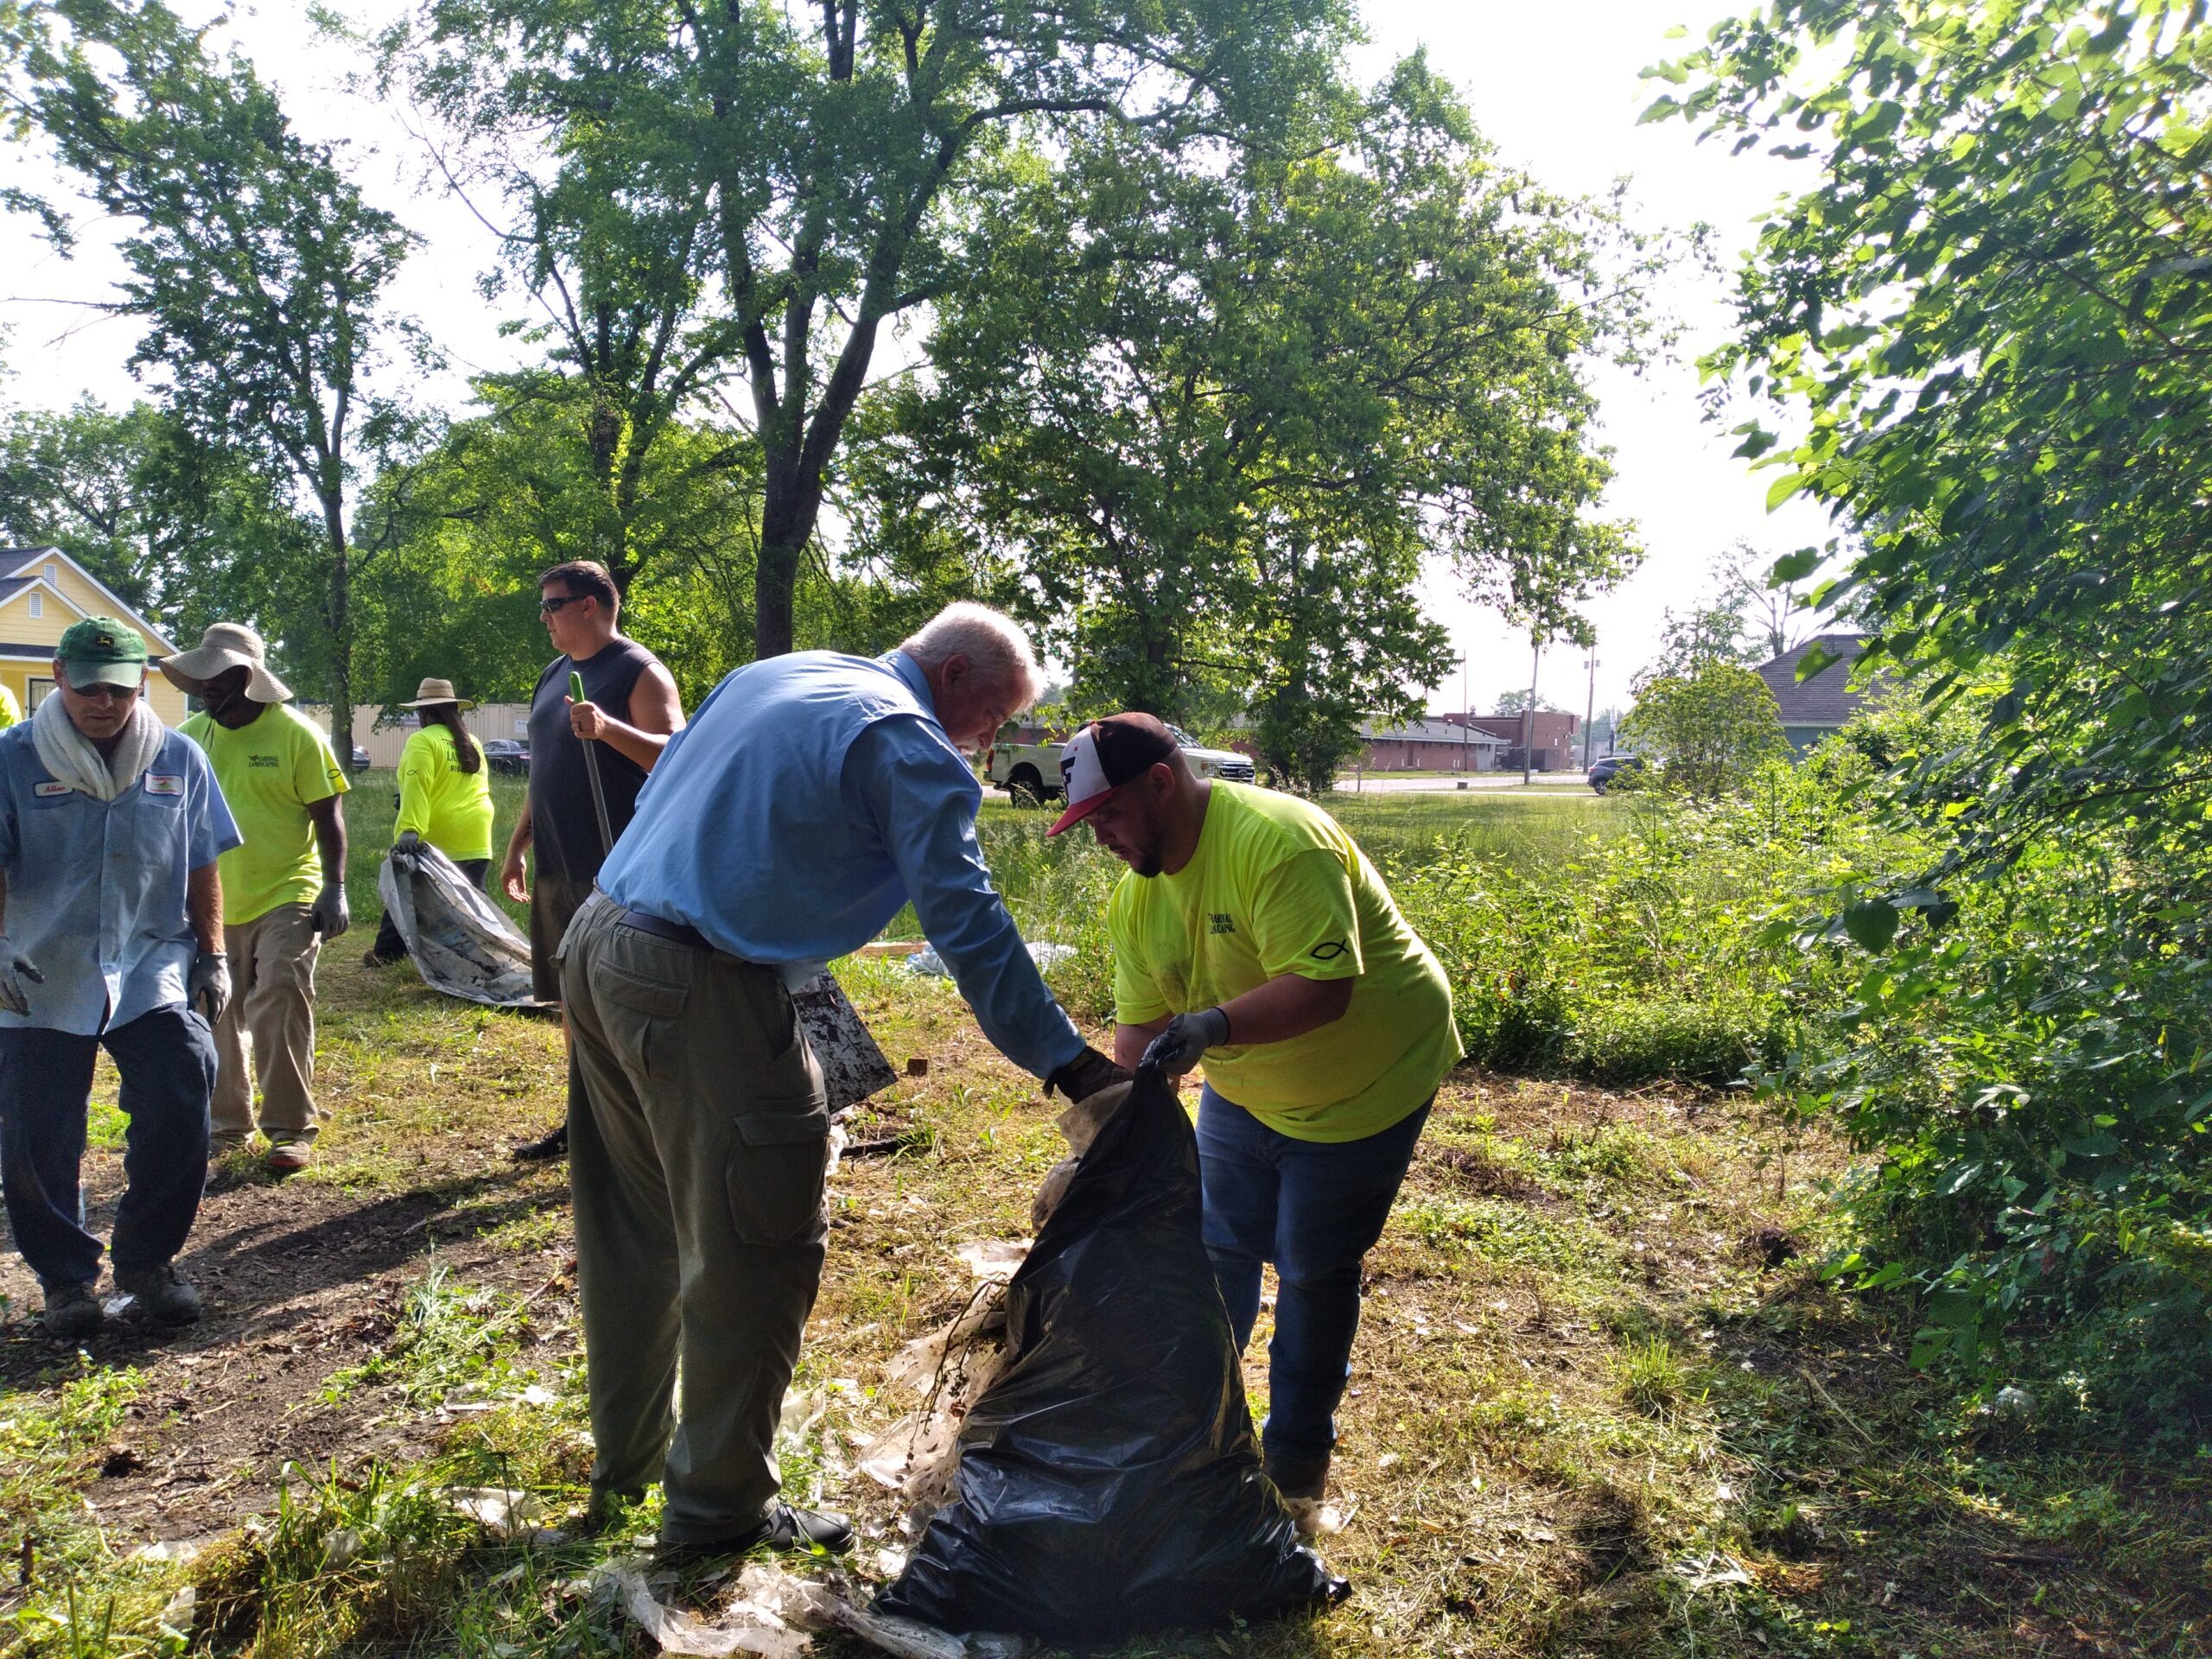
(1032, 770)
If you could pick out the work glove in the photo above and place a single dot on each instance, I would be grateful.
(1084, 1076)
(330, 917)
(207, 987)
(409, 841)
(1188, 1036)
(15, 969)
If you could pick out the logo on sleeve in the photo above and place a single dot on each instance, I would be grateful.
(1329, 951)
(165, 783)
(1217, 923)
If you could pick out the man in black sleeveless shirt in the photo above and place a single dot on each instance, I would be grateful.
(630, 707)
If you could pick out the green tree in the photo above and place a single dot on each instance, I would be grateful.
(1217, 426)
(1710, 730)
(850, 158)
(1988, 320)
(256, 266)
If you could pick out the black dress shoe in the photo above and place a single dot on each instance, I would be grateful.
(546, 1148)
(786, 1529)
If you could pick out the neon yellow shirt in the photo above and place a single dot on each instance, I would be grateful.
(11, 710)
(447, 807)
(1277, 887)
(270, 773)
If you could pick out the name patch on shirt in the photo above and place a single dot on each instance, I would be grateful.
(165, 783)
(46, 791)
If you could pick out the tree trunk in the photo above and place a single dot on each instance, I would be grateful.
(340, 614)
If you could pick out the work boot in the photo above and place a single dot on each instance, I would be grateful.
(164, 1295)
(1304, 1484)
(72, 1314)
(287, 1157)
(786, 1529)
(546, 1148)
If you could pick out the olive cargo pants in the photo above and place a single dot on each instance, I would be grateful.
(698, 1169)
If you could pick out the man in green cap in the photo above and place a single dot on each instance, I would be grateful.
(283, 891)
(111, 936)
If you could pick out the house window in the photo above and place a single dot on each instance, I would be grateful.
(53, 575)
(38, 687)
(38, 604)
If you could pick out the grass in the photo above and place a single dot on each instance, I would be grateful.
(1603, 1402)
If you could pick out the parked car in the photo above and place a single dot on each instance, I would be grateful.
(1032, 770)
(509, 755)
(360, 759)
(1603, 770)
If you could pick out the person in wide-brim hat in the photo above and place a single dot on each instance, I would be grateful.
(436, 691)
(225, 646)
(445, 798)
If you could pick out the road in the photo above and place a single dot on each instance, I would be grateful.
(1553, 783)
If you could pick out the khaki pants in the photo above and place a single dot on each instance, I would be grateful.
(698, 1165)
(269, 1019)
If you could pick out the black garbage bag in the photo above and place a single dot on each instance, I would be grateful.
(1109, 1482)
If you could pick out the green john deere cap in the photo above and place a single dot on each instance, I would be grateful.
(100, 651)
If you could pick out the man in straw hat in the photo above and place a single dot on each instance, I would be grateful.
(283, 891)
(111, 936)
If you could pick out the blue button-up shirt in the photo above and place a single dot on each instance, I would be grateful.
(808, 799)
(96, 889)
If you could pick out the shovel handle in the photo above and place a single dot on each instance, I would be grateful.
(591, 771)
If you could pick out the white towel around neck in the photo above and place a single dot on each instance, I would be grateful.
(69, 755)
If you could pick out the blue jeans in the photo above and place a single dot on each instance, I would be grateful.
(1314, 1209)
(167, 1060)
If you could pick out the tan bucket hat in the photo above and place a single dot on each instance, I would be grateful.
(438, 691)
(227, 645)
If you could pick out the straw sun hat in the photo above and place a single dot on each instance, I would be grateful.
(438, 691)
(227, 645)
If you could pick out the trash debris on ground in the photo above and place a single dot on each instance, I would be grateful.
(461, 942)
(1043, 952)
(180, 1550)
(1712, 1572)
(175, 1616)
(1106, 1479)
(949, 1369)
(500, 1510)
(773, 1614)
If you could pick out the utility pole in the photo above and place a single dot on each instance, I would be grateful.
(1466, 716)
(1589, 710)
(1528, 714)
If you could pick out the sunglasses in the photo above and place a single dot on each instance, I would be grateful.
(553, 602)
(103, 692)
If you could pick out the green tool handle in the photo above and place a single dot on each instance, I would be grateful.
(591, 771)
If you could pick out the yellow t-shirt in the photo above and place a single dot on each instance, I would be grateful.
(11, 710)
(1277, 887)
(270, 773)
(447, 807)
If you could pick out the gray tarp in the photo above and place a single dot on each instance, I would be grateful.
(464, 945)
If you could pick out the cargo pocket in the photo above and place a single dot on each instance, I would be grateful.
(639, 1016)
(776, 1172)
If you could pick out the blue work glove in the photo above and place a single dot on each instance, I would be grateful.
(1188, 1036)
(207, 988)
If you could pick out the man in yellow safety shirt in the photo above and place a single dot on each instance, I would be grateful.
(1252, 931)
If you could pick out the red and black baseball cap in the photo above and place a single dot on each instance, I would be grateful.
(1104, 755)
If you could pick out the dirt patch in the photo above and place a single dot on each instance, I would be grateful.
(299, 1281)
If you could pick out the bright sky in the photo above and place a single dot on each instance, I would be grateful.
(1555, 89)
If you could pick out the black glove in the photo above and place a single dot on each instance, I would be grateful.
(1085, 1075)
(409, 841)
(207, 987)
(330, 917)
(1188, 1036)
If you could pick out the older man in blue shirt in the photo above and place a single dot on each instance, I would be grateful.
(109, 826)
(809, 800)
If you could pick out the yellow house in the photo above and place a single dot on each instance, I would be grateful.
(42, 591)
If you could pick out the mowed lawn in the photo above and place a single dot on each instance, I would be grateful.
(1603, 1402)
